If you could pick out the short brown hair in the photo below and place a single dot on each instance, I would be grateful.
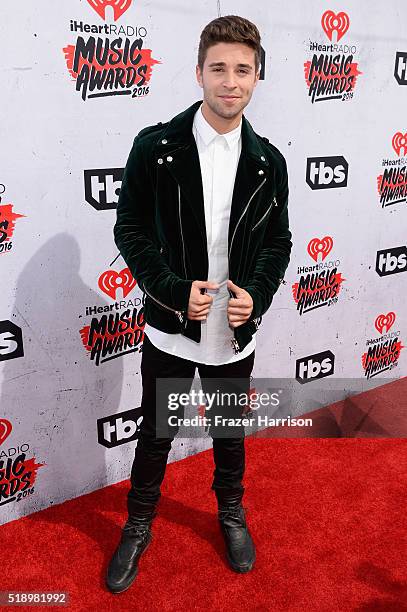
(230, 28)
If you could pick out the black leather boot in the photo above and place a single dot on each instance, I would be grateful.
(135, 539)
(240, 549)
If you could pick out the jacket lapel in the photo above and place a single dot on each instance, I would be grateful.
(178, 150)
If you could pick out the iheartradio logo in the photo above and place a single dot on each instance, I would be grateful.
(110, 281)
(318, 247)
(119, 7)
(335, 23)
(384, 322)
(5, 429)
(399, 142)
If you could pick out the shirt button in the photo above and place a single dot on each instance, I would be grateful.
(261, 172)
(169, 158)
(164, 141)
(263, 158)
(160, 161)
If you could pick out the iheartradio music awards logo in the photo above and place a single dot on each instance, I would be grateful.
(392, 184)
(109, 59)
(318, 285)
(117, 328)
(17, 473)
(7, 224)
(331, 73)
(383, 352)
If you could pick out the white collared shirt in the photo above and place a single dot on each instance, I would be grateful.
(219, 156)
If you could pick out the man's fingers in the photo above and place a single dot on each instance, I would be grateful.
(235, 321)
(199, 308)
(204, 299)
(200, 311)
(239, 309)
(198, 316)
(237, 315)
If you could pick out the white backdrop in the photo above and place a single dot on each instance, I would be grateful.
(62, 157)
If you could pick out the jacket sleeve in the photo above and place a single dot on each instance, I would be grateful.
(135, 234)
(274, 255)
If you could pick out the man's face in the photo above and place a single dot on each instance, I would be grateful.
(228, 78)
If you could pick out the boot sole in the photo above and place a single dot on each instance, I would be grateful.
(115, 590)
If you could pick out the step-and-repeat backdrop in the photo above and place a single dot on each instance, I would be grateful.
(79, 80)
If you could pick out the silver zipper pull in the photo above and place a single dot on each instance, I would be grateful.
(180, 316)
(275, 201)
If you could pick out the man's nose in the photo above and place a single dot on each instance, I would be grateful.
(230, 80)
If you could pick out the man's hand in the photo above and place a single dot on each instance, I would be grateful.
(239, 308)
(200, 303)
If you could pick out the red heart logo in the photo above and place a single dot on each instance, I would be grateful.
(317, 246)
(5, 429)
(119, 7)
(399, 141)
(384, 321)
(110, 281)
(331, 22)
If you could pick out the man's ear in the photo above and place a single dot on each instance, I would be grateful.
(199, 75)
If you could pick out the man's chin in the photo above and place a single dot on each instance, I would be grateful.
(227, 113)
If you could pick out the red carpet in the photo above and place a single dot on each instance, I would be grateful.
(327, 516)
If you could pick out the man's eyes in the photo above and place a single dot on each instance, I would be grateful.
(240, 70)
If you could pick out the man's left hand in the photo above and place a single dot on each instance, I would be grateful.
(239, 308)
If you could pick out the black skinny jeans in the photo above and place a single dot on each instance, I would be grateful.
(151, 452)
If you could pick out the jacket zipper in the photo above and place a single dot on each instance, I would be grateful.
(234, 342)
(179, 313)
(182, 235)
(264, 216)
(241, 216)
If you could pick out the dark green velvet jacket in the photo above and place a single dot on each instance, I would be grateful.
(160, 227)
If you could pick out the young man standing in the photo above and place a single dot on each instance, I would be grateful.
(202, 223)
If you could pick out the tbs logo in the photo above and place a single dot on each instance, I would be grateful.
(119, 428)
(327, 172)
(315, 366)
(391, 261)
(102, 187)
(11, 341)
(400, 67)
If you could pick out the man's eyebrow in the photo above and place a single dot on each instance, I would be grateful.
(212, 64)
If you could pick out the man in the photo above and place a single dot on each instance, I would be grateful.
(202, 223)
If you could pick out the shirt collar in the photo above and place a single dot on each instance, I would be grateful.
(208, 133)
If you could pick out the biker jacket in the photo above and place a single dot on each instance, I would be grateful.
(160, 225)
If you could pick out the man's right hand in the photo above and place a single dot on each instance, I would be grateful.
(200, 303)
